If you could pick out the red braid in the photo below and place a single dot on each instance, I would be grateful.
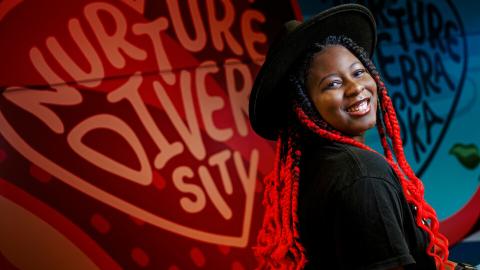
(277, 243)
(413, 187)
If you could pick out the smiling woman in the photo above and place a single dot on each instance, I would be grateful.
(341, 89)
(331, 201)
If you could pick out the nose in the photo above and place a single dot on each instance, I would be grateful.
(353, 88)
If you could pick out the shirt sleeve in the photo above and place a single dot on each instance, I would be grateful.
(368, 222)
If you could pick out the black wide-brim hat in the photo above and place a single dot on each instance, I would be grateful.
(268, 99)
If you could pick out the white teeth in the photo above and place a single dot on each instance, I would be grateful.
(363, 106)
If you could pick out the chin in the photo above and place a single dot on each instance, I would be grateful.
(363, 127)
(373, 124)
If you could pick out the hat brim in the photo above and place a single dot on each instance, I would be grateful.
(268, 99)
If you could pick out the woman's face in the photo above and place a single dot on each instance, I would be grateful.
(342, 90)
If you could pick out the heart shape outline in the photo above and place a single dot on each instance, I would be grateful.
(17, 142)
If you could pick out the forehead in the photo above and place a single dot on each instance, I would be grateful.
(333, 58)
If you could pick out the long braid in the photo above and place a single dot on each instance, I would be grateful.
(270, 232)
(278, 245)
(438, 245)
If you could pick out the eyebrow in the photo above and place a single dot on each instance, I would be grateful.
(324, 78)
(333, 74)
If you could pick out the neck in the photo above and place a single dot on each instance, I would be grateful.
(359, 138)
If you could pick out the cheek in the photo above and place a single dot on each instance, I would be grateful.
(375, 98)
(371, 85)
(328, 105)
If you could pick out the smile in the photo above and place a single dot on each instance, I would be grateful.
(360, 108)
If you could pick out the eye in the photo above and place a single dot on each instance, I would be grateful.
(334, 84)
(358, 72)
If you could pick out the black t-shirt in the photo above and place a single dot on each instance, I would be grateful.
(353, 213)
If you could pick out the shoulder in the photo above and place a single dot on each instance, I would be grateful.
(371, 166)
(367, 163)
(345, 164)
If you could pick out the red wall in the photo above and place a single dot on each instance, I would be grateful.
(124, 134)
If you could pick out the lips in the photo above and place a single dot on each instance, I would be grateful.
(359, 108)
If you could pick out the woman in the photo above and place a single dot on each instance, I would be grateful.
(331, 201)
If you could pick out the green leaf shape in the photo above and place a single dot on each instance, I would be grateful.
(467, 154)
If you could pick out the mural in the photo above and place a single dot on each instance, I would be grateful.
(125, 141)
(124, 135)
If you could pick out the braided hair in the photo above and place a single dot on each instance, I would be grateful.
(278, 245)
